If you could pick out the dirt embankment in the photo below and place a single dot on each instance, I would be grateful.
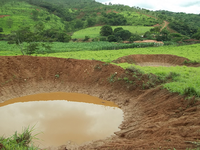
(153, 118)
(156, 60)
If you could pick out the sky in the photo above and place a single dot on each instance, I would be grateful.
(187, 6)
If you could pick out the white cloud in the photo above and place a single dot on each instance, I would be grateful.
(187, 6)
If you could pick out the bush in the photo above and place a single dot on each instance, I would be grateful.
(118, 29)
(123, 34)
(86, 38)
(106, 30)
(135, 37)
(1, 29)
(190, 91)
(112, 38)
(102, 39)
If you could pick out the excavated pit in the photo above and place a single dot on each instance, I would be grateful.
(156, 60)
(60, 118)
(153, 117)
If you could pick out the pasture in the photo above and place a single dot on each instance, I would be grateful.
(93, 32)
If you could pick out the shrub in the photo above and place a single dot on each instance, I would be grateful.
(1, 29)
(106, 30)
(124, 34)
(112, 38)
(190, 91)
(86, 38)
(135, 37)
(118, 29)
(102, 39)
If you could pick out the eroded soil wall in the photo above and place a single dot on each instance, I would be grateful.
(153, 118)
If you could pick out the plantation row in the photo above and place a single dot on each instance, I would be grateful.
(57, 47)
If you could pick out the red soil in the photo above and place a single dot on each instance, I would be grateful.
(156, 25)
(1, 16)
(153, 118)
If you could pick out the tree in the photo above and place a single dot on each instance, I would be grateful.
(118, 29)
(134, 37)
(112, 38)
(164, 35)
(155, 29)
(78, 24)
(91, 22)
(1, 29)
(106, 30)
(24, 34)
(123, 34)
(197, 35)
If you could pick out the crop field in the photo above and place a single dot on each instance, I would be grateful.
(93, 32)
(57, 47)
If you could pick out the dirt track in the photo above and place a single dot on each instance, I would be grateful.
(153, 118)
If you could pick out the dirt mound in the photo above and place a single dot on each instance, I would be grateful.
(153, 118)
(155, 60)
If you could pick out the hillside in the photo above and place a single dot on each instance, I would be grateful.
(71, 16)
(67, 15)
(23, 14)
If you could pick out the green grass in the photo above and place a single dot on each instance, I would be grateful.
(93, 32)
(20, 14)
(18, 141)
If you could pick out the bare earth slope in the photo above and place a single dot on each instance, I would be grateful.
(155, 60)
(153, 118)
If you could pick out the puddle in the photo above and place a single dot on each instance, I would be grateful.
(60, 120)
(155, 64)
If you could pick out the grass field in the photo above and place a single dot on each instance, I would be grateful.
(93, 32)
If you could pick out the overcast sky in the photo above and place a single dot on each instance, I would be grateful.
(187, 6)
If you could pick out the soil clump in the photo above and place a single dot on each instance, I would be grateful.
(153, 117)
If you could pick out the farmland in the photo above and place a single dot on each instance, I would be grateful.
(93, 32)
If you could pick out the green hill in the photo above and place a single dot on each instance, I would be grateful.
(71, 16)
(24, 14)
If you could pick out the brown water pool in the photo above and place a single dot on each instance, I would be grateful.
(82, 119)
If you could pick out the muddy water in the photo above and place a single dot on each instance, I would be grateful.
(61, 121)
(155, 64)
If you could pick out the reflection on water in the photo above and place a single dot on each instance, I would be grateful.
(61, 120)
